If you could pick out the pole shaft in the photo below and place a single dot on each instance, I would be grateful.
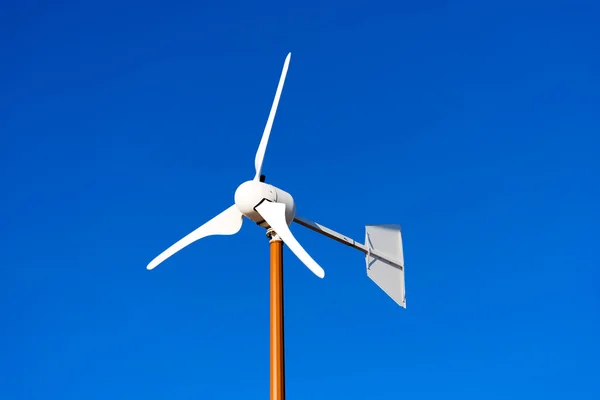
(276, 317)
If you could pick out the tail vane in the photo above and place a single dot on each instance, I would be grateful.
(388, 271)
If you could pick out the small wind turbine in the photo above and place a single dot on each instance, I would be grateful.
(275, 210)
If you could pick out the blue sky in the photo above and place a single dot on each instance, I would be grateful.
(474, 125)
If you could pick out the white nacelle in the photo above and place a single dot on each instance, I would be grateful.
(251, 193)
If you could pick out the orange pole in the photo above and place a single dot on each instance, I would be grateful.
(276, 316)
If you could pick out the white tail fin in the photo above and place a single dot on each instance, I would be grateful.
(385, 260)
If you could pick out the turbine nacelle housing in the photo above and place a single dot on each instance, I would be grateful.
(251, 194)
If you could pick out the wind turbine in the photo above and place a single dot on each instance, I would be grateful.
(275, 210)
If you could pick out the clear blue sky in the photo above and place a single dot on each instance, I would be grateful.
(125, 125)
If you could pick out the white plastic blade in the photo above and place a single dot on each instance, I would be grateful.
(274, 214)
(229, 222)
(262, 147)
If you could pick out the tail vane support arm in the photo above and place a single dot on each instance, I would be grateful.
(367, 250)
(383, 251)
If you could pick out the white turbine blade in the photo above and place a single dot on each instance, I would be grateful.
(229, 222)
(274, 214)
(262, 147)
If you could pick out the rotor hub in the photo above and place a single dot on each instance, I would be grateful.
(251, 193)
